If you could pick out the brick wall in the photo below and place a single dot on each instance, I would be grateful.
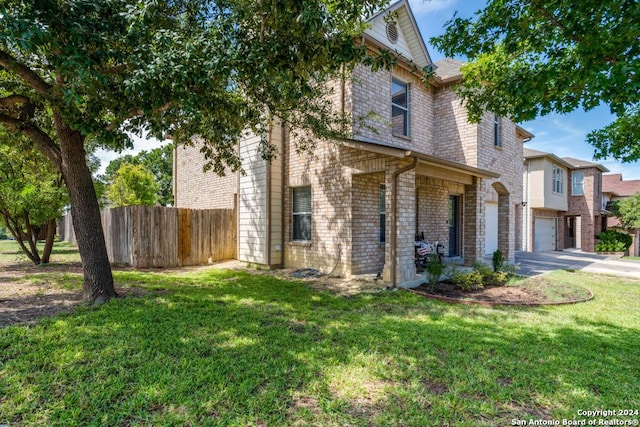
(587, 206)
(196, 189)
(368, 252)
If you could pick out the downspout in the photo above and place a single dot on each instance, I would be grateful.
(394, 207)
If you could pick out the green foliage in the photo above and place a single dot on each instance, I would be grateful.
(158, 161)
(613, 241)
(468, 281)
(497, 260)
(132, 185)
(434, 269)
(628, 211)
(4, 233)
(532, 58)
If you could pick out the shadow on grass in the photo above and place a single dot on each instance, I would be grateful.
(235, 349)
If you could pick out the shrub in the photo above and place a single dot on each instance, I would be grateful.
(469, 281)
(434, 270)
(485, 272)
(497, 260)
(613, 241)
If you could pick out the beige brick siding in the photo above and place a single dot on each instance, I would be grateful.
(196, 189)
(368, 252)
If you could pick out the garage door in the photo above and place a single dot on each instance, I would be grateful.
(491, 229)
(544, 238)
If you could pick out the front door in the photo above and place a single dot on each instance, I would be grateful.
(454, 222)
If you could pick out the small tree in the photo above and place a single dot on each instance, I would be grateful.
(628, 211)
(32, 196)
(132, 185)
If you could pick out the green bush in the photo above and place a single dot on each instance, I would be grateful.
(613, 241)
(497, 260)
(434, 270)
(469, 281)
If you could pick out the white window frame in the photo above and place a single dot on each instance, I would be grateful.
(299, 237)
(557, 180)
(575, 185)
(405, 108)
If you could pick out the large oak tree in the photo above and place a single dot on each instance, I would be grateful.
(533, 57)
(212, 69)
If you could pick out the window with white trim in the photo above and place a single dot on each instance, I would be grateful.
(577, 180)
(301, 214)
(400, 107)
(558, 180)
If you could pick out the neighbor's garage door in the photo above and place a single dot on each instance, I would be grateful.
(544, 238)
(491, 230)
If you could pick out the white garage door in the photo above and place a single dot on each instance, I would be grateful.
(491, 229)
(544, 238)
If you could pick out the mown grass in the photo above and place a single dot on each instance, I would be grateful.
(63, 252)
(226, 348)
(632, 258)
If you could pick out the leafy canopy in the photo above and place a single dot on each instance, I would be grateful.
(628, 211)
(531, 58)
(158, 161)
(133, 185)
(179, 67)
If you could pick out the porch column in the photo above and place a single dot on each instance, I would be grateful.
(474, 222)
(405, 225)
(506, 228)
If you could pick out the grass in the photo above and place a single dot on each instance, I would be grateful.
(632, 258)
(226, 348)
(63, 252)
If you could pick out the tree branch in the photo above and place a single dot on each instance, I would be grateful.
(11, 100)
(42, 140)
(24, 72)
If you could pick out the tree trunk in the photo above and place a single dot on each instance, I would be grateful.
(32, 238)
(85, 213)
(18, 235)
(48, 243)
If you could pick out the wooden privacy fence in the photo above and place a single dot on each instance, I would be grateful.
(155, 236)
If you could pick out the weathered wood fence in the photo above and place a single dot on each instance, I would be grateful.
(154, 236)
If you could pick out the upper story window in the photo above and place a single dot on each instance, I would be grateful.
(558, 180)
(497, 131)
(577, 180)
(301, 214)
(400, 107)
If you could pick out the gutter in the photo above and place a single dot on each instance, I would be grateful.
(394, 208)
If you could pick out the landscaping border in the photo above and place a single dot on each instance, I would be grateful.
(494, 304)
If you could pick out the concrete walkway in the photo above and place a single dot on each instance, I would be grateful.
(535, 263)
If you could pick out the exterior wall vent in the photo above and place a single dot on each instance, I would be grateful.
(392, 32)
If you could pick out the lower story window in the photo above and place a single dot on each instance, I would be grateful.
(301, 214)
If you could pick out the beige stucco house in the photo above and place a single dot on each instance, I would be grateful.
(563, 202)
(354, 206)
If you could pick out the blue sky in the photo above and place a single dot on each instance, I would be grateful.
(563, 135)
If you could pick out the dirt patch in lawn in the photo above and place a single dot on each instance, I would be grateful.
(532, 291)
(28, 292)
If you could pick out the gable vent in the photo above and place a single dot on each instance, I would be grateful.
(392, 32)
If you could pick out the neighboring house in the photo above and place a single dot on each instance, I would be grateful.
(354, 207)
(615, 188)
(563, 202)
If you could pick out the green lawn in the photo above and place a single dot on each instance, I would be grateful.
(226, 348)
(62, 252)
(632, 258)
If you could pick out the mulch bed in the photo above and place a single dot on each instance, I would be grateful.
(535, 291)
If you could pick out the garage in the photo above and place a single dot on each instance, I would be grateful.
(544, 234)
(491, 229)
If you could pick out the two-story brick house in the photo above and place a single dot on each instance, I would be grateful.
(354, 206)
(563, 202)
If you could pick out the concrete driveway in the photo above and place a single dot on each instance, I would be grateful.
(535, 263)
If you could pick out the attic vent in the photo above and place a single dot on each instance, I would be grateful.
(392, 32)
